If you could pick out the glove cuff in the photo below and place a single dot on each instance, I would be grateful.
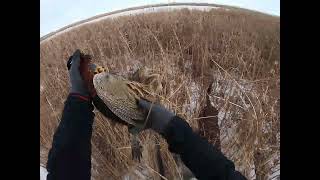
(80, 96)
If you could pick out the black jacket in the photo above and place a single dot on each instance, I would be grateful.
(203, 159)
(70, 155)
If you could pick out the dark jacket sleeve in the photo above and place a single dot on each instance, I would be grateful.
(202, 158)
(70, 154)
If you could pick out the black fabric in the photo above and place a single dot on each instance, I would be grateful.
(70, 154)
(202, 158)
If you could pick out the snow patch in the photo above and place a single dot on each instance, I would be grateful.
(252, 174)
(43, 173)
(229, 97)
(139, 172)
(188, 65)
(194, 93)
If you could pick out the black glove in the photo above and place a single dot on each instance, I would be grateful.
(159, 116)
(77, 83)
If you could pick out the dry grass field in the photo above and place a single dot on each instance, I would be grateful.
(236, 53)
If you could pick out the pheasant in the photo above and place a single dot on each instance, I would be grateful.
(120, 96)
(116, 97)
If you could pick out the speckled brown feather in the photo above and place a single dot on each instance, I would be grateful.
(121, 95)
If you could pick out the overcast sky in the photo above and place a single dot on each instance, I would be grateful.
(55, 14)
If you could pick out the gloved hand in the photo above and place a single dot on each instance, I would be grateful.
(77, 83)
(159, 116)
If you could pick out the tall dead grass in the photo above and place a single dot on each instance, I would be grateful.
(237, 50)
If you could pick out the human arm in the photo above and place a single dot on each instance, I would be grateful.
(201, 157)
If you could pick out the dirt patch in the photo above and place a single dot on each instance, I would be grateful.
(208, 123)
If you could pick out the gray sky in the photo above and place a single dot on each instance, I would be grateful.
(55, 14)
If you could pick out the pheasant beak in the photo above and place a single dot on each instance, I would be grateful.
(96, 69)
(100, 69)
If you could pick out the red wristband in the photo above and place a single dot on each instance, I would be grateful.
(85, 98)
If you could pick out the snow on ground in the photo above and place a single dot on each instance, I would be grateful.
(191, 106)
(228, 97)
(43, 173)
(160, 9)
(194, 97)
(41, 88)
(274, 163)
(139, 172)
(140, 11)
